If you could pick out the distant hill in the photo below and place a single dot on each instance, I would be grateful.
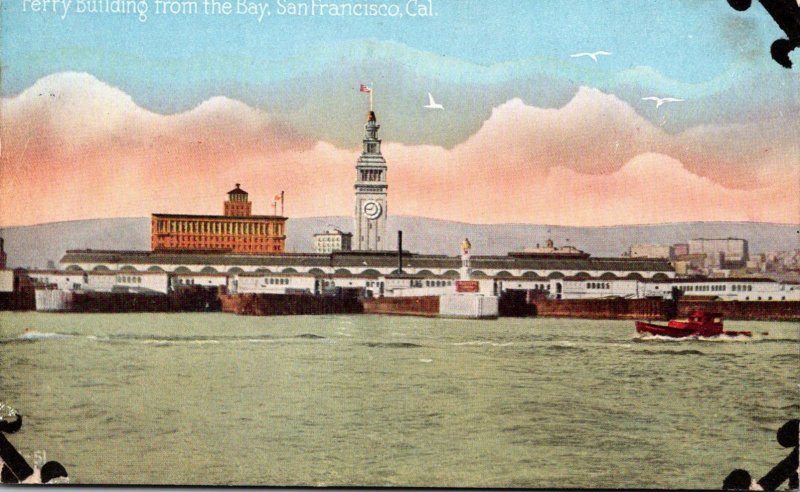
(33, 246)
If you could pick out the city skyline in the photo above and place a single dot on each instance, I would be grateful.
(529, 133)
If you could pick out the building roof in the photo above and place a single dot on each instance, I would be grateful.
(219, 217)
(333, 232)
(237, 191)
(362, 259)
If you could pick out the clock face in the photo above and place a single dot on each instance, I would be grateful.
(372, 209)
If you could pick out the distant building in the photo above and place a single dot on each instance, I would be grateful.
(652, 251)
(680, 249)
(332, 240)
(237, 231)
(780, 261)
(728, 253)
(690, 264)
(550, 249)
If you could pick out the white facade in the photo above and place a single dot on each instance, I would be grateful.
(199, 279)
(332, 240)
(600, 288)
(729, 289)
(271, 284)
(471, 306)
(741, 289)
(126, 281)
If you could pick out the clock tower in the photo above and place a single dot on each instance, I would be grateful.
(370, 211)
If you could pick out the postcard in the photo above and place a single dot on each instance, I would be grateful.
(400, 243)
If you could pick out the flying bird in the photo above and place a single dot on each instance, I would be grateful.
(433, 104)
(593, 56)
(661, 100)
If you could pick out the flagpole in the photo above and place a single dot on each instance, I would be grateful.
(281, 203)
(371, 90)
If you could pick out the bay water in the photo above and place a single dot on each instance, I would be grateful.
(220, 399)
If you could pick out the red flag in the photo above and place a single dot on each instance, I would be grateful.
(365, 88)
(278, 198)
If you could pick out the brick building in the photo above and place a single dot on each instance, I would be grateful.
(237, 231)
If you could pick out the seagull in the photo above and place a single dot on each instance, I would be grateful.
(433, 104)
(661, 100)
(593, 56)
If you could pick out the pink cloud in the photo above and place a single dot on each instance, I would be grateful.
(76, 148)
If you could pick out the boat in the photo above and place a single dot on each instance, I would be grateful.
(699, 324)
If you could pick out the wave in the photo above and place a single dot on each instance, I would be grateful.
(777, 340)
(33, 336)
(562, 347)
(786, 357)
(149, 337)
(391, 345)
(671, 352)
(484, 342)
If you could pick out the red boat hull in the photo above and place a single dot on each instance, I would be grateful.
(699, 324)
(665, 331)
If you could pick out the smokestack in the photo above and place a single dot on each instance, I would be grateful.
(399, 251)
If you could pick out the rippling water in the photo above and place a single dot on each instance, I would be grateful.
(398, 401)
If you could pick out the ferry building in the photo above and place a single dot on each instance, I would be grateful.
(246, 253)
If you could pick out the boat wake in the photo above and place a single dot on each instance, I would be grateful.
(715, 339)
(37, 335)
(161, 340)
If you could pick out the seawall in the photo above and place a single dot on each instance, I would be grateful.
(414, 306)
(288, 304)
(617, 308)
(745, 310)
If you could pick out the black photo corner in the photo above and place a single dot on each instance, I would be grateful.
(14, 467)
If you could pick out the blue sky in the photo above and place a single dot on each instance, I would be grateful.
(687, 41)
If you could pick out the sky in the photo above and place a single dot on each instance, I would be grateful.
(106, 115)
